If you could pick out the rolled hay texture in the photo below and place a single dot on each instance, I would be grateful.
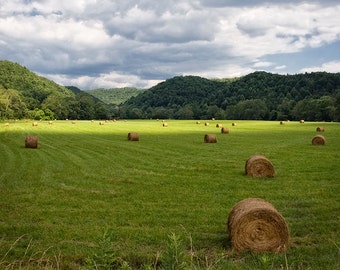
(206, 124)
(210, 138)
(320, 129)
(233, 124)
(198, 122)
(225, 130)
(254, 224)
(31, 141)
(302, 121)
(35, 124)
(218, 125)
(318, 140)
(259, 166)
(282, 122)
(165, 124)
(101, 123)
(133, 136)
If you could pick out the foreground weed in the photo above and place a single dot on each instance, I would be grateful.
(105, 257)
(174, 256)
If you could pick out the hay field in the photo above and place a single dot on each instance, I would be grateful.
(86, 179)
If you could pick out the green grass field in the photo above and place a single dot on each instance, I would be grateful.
(89, 197)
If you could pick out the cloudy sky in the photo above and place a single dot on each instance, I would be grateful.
(118, 43)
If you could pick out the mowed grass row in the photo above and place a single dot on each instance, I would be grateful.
(85, 179)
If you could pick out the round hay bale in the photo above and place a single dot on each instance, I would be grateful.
(225, 130)
(218, 125)
(213, 119)
(133, 136)
(320, 129)
(35, 124)
(50, 122)
(318, 140)
(302, 121)
(254, 224)
(210, 138)
(74, 122)
(165, 124)
(6, 124)
(259, 166)
(198, 122)
(31, 141)
(101, 123)
(206, 124)
(234, 124)
(282, 122)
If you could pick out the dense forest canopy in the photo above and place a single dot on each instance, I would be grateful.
(259, 95)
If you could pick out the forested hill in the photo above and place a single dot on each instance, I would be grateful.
(259, 95)
(24, 94)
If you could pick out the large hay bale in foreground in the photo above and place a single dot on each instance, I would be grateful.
(254, 224)
(318, 140)
(31, 141)
(210, 138)
(259, 166)
(225, 130)
(320, 129)
(133, 136)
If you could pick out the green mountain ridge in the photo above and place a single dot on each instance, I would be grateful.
(259, 95)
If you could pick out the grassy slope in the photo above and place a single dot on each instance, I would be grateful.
(86, 178)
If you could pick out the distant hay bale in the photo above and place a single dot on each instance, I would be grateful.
(198, 122)
(31, 141)
(234, 124)
(6, 124)
(254, 224)
(206, 124)
(213, 119)
(101, 123)
(210, 138)
(259, 166)
(302, 121)
(225, 130)
(133, 136)
(74, 122)
(318, 140)
(35, 124)
(50, 122)
(165, 124)
(320, 129)
(218, 125)
(282, 122)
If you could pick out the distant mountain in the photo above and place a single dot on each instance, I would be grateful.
(259, 95)
(115, 95)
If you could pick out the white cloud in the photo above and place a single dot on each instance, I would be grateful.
(109, 43)
(332, 67)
